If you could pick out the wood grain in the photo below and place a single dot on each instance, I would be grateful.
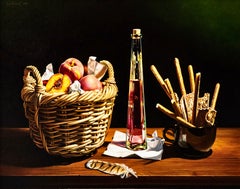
(22, 162)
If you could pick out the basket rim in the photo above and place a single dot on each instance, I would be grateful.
(33, 87)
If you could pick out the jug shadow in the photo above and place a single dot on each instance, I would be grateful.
(174, 151)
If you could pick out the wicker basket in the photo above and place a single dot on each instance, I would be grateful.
(68, 125)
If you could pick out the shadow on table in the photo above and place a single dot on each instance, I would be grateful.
(174, 151)
(19, 150)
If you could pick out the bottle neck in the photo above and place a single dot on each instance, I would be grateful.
(136, 71)
(136, 45)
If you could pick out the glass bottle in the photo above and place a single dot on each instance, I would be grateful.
(136, 117)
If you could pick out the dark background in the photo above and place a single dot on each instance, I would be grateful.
(204, 33)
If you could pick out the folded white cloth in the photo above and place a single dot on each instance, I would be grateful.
(117, 148)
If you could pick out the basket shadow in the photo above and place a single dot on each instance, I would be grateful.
(22, 152)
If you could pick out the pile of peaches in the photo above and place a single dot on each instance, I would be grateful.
(72, 70)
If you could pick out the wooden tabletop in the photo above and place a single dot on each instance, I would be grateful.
(24, 165)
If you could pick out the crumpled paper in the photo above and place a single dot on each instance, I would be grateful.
(76, 87)
(48, 72)
(96, 68)
(117, 148)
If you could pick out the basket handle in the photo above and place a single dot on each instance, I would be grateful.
(36, 82)
(28, 80)
(111, 78)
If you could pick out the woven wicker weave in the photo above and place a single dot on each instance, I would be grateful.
(72, 124)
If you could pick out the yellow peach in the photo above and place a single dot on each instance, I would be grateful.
(58, 83)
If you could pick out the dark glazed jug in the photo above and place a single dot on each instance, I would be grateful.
(192, 141)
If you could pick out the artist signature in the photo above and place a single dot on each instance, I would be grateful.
(17, 3)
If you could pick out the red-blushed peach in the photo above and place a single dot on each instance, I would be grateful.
(73, 68)
(90, 82)
(58, 83)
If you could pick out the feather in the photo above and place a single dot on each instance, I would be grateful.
(111, 168)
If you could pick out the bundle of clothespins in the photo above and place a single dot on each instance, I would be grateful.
(190, 110)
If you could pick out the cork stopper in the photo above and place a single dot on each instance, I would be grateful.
(136, 32)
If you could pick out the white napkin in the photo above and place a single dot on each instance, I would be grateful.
(117, 148)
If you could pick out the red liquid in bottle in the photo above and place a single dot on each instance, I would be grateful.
(136, 137)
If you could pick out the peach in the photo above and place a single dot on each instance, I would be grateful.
(90, 82)
(58, 83)
(73, 68)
